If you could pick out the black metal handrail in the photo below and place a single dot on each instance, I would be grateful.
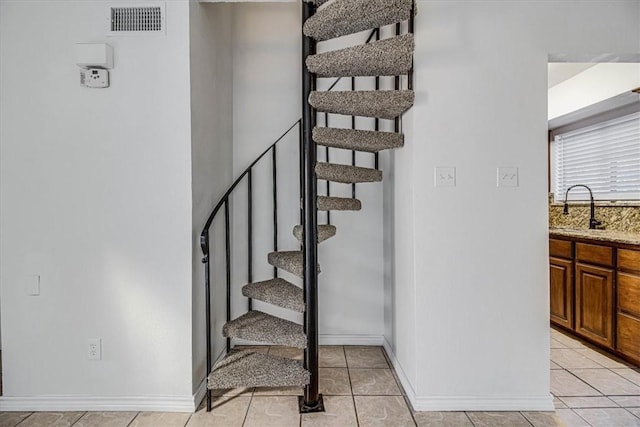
(239, 179)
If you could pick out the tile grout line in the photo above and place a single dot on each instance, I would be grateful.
(610, 369)
(627, 409)
(253, 390)
(353, 397)
(578, 415)
(23, 420)
(466, 414)
(79, 418)
(527, 419)
(580, 379)
(133, 419)
(403, 393)
(190, 415)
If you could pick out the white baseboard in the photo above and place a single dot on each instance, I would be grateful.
(402, 376)
(199, 394)
(107, 403)
(467, 403)
(98, 403)
(484, 403)
(326, 339)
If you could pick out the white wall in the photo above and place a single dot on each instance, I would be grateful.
(96, 199)
(211, 156)
(474, 257)
(603, 80)
(267, 101)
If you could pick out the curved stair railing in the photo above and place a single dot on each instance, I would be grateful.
(391, 57)
(205, 240)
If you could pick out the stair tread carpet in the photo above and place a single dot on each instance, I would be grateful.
(338, 204)
(262, 327)
(325, 231)
(347, 174)
(359, 140)
(290, 261)
(242, 368)
(331, 21)
(382, 104)
(318, 3)
(277, 292)
(390, 57)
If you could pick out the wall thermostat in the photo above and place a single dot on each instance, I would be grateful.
(94, 78)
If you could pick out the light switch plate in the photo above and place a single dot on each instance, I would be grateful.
(508, 177)
(444, 177)
(32, 283)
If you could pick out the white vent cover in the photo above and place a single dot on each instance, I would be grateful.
(138, 19)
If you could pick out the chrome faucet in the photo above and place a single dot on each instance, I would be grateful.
(593, 222)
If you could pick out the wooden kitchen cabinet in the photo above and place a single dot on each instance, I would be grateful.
(594, 303)
(561, 285)
(561, 291)
(628, 307)
(595, 292)
(594, 284)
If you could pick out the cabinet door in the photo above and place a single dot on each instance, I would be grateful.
(629, 336)
(594, 303)
(561, 292)
(628, 330)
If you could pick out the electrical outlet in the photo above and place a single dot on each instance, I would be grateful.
(94, 349)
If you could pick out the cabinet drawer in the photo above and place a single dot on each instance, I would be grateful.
(629, 260)
(629, 294)
(629, 336)
(561, 248)
(594, 254)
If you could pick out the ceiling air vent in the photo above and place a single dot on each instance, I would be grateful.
(137, 20)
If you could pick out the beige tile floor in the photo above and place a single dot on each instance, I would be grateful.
(361, 390)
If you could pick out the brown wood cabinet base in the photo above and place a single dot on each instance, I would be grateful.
(595, 293)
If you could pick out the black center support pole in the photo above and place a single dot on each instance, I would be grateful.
(249, 234)
(312, 400)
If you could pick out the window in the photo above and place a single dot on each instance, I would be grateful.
(604, 156)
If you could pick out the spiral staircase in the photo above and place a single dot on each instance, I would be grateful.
(322, 20)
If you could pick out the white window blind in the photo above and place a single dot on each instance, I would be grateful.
(605, 156)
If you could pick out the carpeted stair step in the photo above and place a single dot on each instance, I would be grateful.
(242, 368)
(390, 57)
(290, 261)
(318, 3)
(262, 327)
(382, 104)
(338, 204)
(359, 140)
(347, 174)
(277, 292)
(342, 17)
(325, 231)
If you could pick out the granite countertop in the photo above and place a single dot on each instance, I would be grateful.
(600, 235)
